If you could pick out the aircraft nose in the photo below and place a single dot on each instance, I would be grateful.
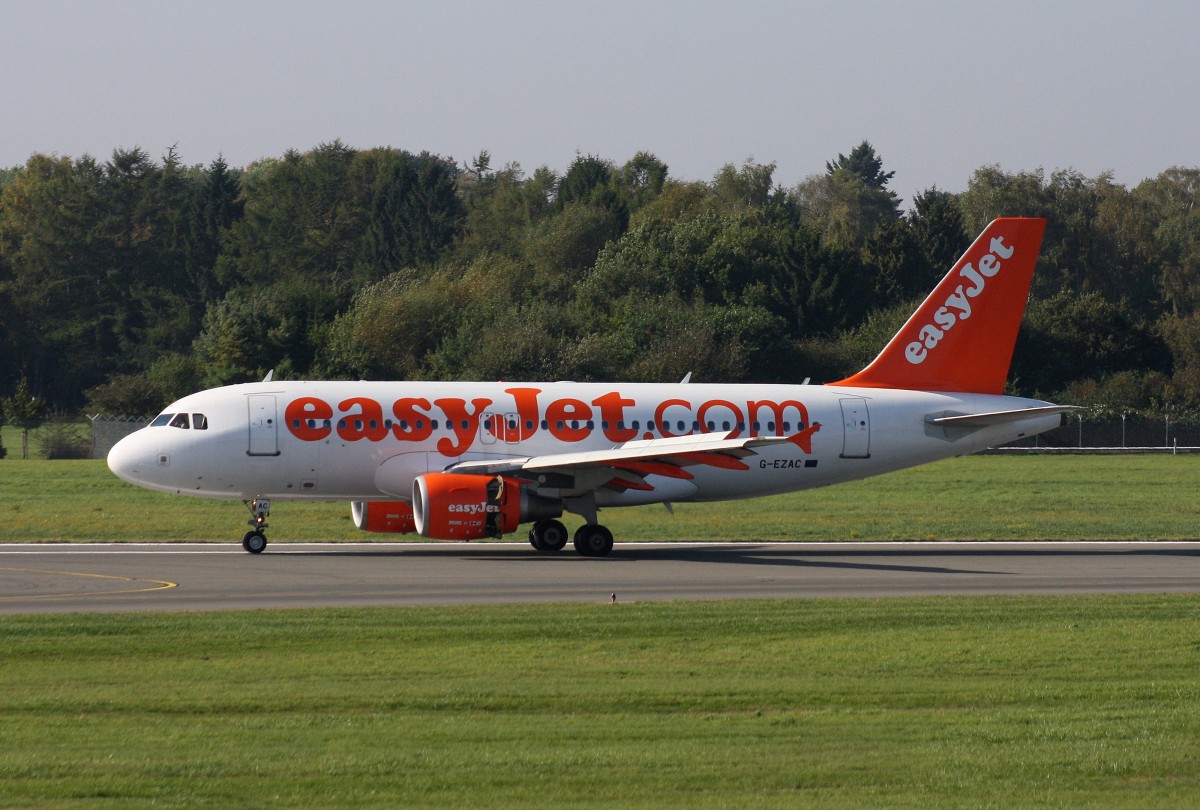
(126, 458)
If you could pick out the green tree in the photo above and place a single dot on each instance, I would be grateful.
(940, 234)
(864, 164)
(1173, 200)
(25, 411)
(588, 179)
(851, 201)
(1076, 336)
(641, 180)
(93, 262)
(750, 185)
(413, 212)
(253, 330)
(992, 192)
(56, 283)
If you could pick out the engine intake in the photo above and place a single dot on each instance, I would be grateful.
(454, 506)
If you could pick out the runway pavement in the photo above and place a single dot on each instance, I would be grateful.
(93, 578)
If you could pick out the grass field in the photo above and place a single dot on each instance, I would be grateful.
(951, 702)
(978, 497)
(988, 702)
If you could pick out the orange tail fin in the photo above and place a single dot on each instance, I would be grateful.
(961, 338)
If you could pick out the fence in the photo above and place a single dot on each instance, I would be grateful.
(1117, 433)
(108, 430)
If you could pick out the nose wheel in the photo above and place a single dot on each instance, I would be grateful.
(254, 542)
(256, 539)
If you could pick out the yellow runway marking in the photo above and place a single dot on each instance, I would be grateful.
(154, 585)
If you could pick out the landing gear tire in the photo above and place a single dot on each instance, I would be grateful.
(548, 535)
(254, 542)
(256, 539)
(593, 540)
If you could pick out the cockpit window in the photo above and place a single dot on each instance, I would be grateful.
(199, 421)
(180, 421)
(161, 419)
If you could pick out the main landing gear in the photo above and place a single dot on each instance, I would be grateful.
(548, 535)
(256, 539)
(591, 540)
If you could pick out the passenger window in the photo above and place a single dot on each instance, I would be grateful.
(199, 421)
(180, 421)
(161, 419)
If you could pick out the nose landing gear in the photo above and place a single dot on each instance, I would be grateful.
(256, 539)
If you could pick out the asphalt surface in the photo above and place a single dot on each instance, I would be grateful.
(94, 578)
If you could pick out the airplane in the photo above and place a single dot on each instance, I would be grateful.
(475, 460)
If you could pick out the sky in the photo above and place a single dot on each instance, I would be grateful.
(939, 88)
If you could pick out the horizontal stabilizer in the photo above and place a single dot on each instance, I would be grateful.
(980, 420)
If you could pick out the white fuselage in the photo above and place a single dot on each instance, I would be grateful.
(364, 441)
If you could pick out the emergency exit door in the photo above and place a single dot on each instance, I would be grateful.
(264, 439)
(856, 421)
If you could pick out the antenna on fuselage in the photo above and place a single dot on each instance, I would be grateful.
(687, 378)
(270, 374)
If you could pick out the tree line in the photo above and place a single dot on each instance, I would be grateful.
(130, 282)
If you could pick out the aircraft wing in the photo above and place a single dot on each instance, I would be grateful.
(630, 462)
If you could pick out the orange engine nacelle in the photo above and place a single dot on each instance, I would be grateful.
(391, 517)
(454, 506)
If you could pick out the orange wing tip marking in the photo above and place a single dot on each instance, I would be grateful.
(803, 439)
(653, 468)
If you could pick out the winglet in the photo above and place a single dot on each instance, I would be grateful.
(962, 337)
